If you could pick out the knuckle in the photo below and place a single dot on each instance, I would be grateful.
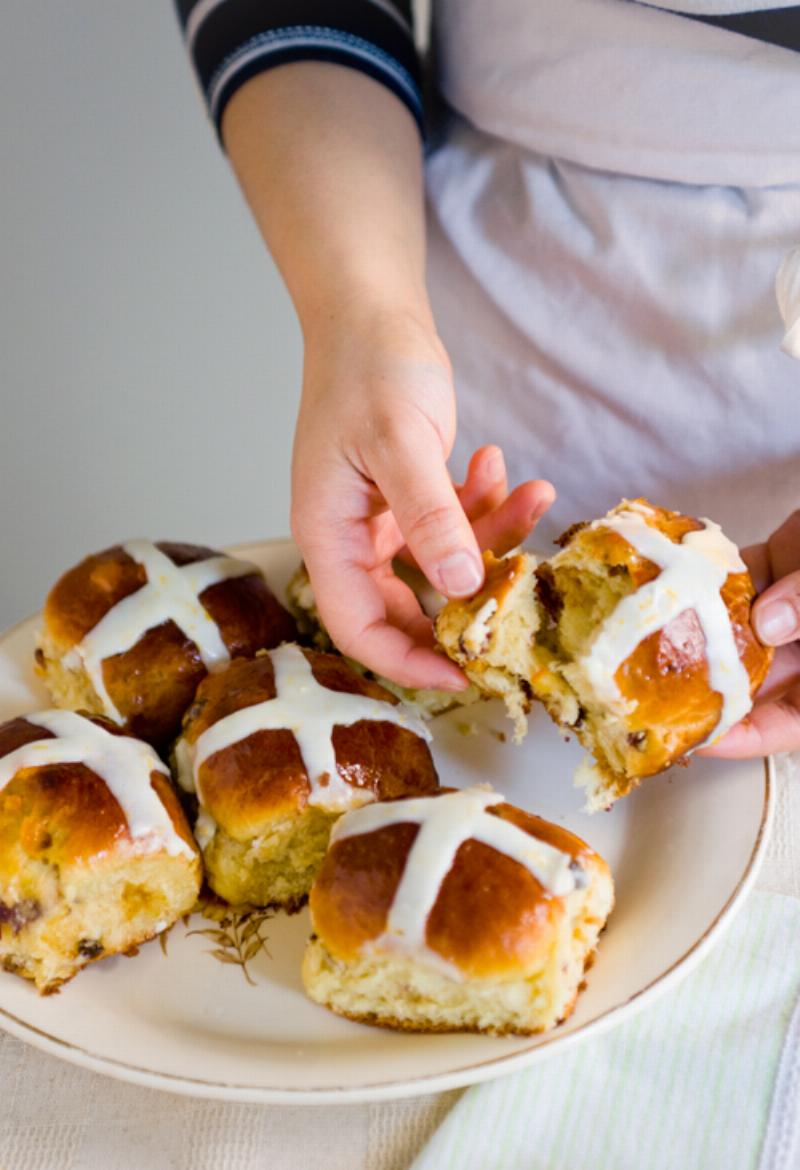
(388, 431)
(347, 638)
(315, 526)
(346, 644)
(402, 425)
(432, 524)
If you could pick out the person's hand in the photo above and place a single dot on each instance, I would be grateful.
(369, 481)
(774, 723)
(330, 161)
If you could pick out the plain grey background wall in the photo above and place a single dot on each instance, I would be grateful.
(149, 357)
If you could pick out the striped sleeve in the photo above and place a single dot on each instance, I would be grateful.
(776, 22)
(231, 41)
(776, 26)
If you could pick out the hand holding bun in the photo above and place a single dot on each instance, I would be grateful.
(428, 701)
(774, 723)
(639, 640)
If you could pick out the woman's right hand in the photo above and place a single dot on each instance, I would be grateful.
(369, 480)
(330, 162)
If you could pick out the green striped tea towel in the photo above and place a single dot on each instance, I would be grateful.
(691, 1083)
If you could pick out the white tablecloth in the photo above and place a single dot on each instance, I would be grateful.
(58, 1117)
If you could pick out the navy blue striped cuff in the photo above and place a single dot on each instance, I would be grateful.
(233, 40)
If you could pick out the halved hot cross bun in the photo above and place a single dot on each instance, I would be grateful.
(491, 635)
(636, 636)
(647, 651)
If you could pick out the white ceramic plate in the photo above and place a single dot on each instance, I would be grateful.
(683, 851)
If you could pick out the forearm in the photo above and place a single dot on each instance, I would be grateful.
(330, 163)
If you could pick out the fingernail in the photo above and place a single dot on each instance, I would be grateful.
(776, 622)
(460, 574)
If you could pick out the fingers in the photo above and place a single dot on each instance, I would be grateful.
(756, 557)
(513, 521)
(486, 485)
(347, 539)
(416, 485)
(500, 520)
(784, 547)
(404, 611)
(783, 673)
(777, 557)
(384, 635)
(773, 726)
(776, 613)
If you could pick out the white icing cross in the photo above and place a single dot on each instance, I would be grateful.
(446, 822)
(692, 574)
(124, 764)
(311, 712)
(172, 593)
(476, 634)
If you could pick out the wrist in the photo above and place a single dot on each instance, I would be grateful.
(390, 350)
(361, 303)
(370, 321)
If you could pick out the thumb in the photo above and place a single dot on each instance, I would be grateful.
(413, 479)
(776, 614)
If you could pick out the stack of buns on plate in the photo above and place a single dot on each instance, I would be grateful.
(305, 777)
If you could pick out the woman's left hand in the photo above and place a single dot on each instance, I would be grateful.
(774, 723)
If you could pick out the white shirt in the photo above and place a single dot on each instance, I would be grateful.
(615, 194)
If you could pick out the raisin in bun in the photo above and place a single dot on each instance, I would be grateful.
(95, 852)
(130, 631)
(276, 748)
(454, 912)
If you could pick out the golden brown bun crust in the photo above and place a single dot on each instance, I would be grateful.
(667, 675)
(491, 917)
(500, 574)
(263, 776)
(154, 682)
(65, 813)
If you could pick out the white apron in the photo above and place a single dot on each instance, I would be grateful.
(616, 190)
